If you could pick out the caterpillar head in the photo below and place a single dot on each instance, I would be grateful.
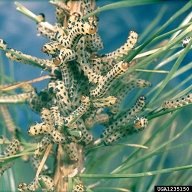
(22, 186)
(40, 17)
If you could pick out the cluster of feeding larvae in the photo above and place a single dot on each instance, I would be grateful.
(83, 85)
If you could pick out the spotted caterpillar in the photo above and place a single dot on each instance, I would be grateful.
(3, 44)
(84, 65)
(43, 128)
(112, 75)
(125, 118)
(79, 188)
(80, 29)
(75, 115)
(8, 119)
(43, 181)
(56, 118)
(139, 125)
(121, 94)
(186, 41)
(45, 64)
(58, 88)
(51, 48)
(94, 42)
(61, 12)
(178, 102)
(19, 98)
(131, 41)
(39, 100)
(10, 150)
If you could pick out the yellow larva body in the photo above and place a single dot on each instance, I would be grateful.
(125, 118)
(139, 125)
(122, 93)
(46, 182)
(10, 150)
(130, 43)
(79, 188)
(3, 44)
(178, 102)
(106, 82)
(8, 120)
(75, 115)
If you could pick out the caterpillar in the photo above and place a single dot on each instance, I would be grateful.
(78, 188)
(51, 48)
(61, 12)
(84, 65)
(79, 29)
(74, 17)
(106, 82)
(87, 7)
(186, 41)
(39, 100)
(122, 93)
(8, 120)
(139, 125)
(130, 43)
(178, 102)
(61, 93)
(17, 98)
(43, 128)
(33, 186)
(56, 118)
(3, 44)
(94, 42)
(44, 64)
(46, 183)
(43, 181)
(75, 115)
(64, 56)
(10, 150)
(125, 118)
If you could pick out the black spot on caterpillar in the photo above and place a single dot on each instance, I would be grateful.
(78, 188)
(3, 44)
(122, 93)
(125, 118)
(75, 115)
(106, 82)
(178, 102)
(10, 150)
(186, 41)
(130, 43)
(139, 125)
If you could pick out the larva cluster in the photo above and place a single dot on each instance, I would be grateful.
(77, 97)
